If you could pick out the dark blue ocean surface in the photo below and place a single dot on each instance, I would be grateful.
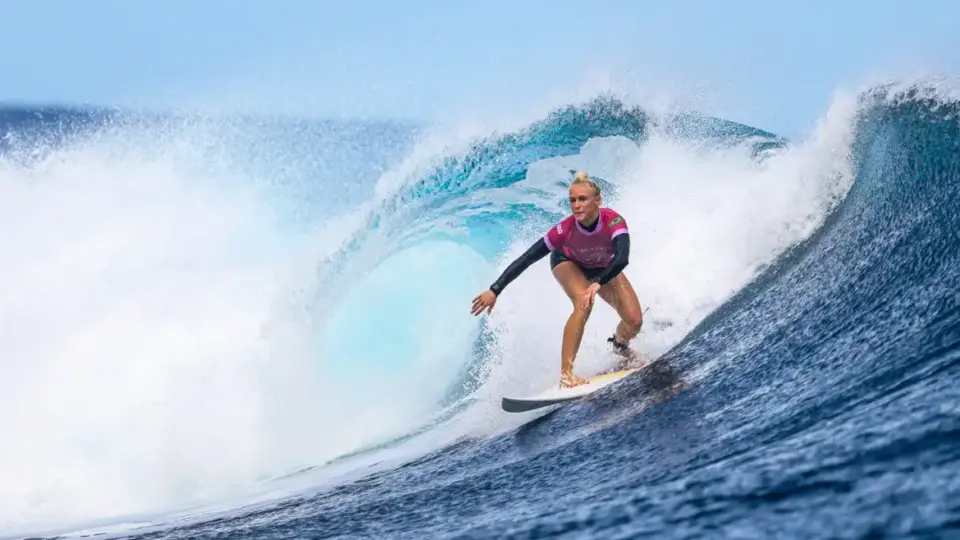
(820, 401)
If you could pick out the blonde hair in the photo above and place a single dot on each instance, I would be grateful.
(583, 178)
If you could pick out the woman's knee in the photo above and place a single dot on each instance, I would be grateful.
(580, 311)
(633, 319)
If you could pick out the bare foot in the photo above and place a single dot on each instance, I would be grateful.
(631, 360)
(569, 380)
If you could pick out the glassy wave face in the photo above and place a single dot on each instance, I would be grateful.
(241, 328)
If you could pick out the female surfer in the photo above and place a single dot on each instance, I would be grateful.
(588, 251)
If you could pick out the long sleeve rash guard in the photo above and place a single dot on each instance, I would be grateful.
(539, 249)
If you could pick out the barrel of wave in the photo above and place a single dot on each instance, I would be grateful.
(402, 334)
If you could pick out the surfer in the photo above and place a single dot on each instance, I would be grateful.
(588, 251)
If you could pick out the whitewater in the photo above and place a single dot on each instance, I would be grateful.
(255, 327)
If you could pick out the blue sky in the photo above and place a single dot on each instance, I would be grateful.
(770, 64)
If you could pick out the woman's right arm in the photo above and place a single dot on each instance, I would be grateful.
(533, 254)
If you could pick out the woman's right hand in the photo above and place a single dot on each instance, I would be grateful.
(483, 301)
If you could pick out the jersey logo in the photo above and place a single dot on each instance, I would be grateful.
(560, 228)
(616, 220)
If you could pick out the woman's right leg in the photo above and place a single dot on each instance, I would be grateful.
(574, 283)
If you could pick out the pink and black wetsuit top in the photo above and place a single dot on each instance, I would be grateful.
(588, 248)
(601, 250)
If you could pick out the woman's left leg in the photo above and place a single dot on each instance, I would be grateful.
(620, 295)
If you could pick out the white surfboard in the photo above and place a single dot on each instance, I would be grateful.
(558, 394)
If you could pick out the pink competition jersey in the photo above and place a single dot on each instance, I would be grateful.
(589, 249)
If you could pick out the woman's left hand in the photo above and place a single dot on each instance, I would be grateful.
(587, 299)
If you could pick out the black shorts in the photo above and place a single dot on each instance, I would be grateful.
(557, 257)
